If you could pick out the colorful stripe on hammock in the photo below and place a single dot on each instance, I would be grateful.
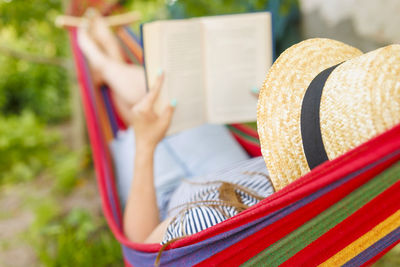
(246, 135)
(281, 218)
(129, 39)
(274, 236)
(353, 253)
(348, 216)
(206, 249)
(109, 109)
(322, 217)
(98, 138)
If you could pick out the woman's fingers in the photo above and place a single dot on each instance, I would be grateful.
(151, 97)
(155, 92)
(168, 114)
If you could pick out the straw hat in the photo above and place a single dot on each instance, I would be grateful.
(360, 99)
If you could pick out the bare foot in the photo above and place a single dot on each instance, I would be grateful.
(93, 53)
(104, 37)
(103, 52)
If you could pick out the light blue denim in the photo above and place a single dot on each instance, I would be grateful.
(195, 152)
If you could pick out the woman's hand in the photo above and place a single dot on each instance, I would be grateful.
(150, 127)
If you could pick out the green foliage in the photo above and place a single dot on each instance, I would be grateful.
(29, 149)
(27, 29)
(149, 10)
(195, 8)
(25, 148)
(39, 88)
(66, 169)
(34, 84)
(21, 13)
(74, 239)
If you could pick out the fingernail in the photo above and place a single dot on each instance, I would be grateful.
(173, 102)
(159, 72)
(255, 90)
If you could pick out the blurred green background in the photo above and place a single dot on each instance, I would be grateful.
(50, 212)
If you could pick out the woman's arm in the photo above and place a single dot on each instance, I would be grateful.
(141, 211)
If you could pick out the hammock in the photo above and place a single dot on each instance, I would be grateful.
(344, 212)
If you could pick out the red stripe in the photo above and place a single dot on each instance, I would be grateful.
(127, 263)
(246, 129)
(254, 244)
(355, 226)
(251, 148)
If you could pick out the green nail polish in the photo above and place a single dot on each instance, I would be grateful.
(159, 72)
(255, 90)
(173, 102)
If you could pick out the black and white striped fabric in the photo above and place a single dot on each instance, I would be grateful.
(192, 218)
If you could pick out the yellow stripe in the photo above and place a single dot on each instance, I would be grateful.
(365, 241)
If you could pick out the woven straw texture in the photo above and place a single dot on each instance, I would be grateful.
(361, 99)
(279, 105)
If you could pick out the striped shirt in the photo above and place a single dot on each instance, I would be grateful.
(189, 219)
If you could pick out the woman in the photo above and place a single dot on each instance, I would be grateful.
(322, 97)
(158, 164)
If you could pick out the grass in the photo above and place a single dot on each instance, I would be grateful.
(74, 234)
(391, 259)
(56, 186)
(73, 239)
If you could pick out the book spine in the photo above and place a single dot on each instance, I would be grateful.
(144, 56)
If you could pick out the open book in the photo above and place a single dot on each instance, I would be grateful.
(211, 65)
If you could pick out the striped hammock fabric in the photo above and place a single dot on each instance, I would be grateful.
(344, 212)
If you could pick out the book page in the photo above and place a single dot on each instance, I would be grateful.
(238, 54)
(151, 35)
(181, 59)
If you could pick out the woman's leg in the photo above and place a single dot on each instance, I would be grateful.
(101, 48)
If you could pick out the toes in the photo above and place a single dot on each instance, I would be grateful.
(102, 35)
